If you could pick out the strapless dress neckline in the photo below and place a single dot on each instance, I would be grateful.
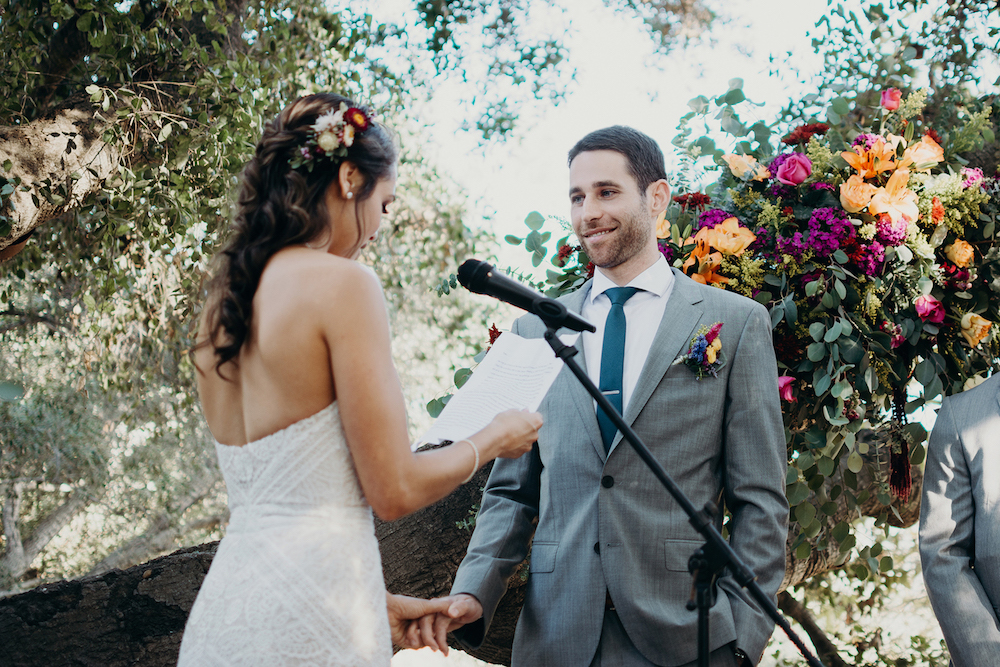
(280, 434)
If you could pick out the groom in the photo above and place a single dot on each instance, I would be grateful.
(608, 576)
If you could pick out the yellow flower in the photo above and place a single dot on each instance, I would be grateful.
(712, 351)
(895, 198)
(925, 153)
(975, 328)
(743, 165)
(662, 226)
(730, 238)
(960, 253)
(855, 194)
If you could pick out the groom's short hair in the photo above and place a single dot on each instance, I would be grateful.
(644, 157)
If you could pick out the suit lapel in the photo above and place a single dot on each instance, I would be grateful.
(680, 318)
(581, 400)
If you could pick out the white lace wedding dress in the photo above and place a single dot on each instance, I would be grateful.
(297, 580)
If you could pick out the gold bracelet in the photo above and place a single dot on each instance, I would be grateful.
(475, 466)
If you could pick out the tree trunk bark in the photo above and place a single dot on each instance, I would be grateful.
(136, 616)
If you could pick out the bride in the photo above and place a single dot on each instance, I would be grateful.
(299, 390)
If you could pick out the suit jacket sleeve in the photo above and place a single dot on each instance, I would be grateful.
(500, 541)
(755, 462)
(947, 548)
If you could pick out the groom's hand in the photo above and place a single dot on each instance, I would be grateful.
(462, 609)
(405, 616)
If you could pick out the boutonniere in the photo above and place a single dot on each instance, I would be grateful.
(705, 355)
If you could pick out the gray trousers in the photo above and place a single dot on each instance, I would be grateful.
(617, 650)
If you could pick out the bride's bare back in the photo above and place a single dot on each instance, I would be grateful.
(284, 371)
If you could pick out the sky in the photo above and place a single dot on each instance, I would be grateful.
(620, 80)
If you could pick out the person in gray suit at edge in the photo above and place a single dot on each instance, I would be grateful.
(960, 524)
(608, 576)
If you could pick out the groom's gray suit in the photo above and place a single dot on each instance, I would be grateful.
(960, 524)
(605, 524)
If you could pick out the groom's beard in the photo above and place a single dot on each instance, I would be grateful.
(631, 237)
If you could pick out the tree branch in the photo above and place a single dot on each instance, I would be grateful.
(13, 555)
(28, 318)
(798, 612)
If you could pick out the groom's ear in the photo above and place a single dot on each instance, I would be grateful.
(658, 196)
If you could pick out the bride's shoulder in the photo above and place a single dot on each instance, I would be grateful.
(319, 279)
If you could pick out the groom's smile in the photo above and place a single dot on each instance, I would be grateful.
(610, 215)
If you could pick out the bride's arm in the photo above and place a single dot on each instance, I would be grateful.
(397, 481)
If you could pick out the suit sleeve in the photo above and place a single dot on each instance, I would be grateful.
(500, 541)
(755, 462)
(947, 548)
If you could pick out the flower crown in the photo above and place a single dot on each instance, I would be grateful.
(331, 135)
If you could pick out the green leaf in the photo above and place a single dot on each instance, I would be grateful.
(816, 330)
(734, 96)
(840, 287)
(840, 106)
(513, 240)
(840, 532)
(924, 372)
(834, 332)
(803, 551)
(535, 220)
(796, 493)
(816, 351)
(777, 312)
(855, 462)
(699, 104)
(462, 376)
(812, 287)
(805, 513)
(842, 389)
(7, 165)
(840, 256)
(791, 311)
(885, 564)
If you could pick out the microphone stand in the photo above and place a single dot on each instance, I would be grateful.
(716, 554)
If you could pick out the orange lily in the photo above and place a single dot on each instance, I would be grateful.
(707, 261)
(872, 162)
(895, 198)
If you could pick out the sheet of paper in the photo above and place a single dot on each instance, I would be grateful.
(515, 374)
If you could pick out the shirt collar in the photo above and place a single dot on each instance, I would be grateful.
(656, 279)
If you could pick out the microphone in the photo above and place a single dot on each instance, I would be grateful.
(483, 278)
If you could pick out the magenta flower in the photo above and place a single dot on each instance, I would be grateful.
(929, 309)
(795, 169)
(785, 387)
(972, 177)
(891, 98)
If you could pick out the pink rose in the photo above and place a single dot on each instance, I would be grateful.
(795, 169)
(785, 383)
(891, 98)
(929, 309)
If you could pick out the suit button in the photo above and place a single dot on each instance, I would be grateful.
(607, 481)
(597, 547)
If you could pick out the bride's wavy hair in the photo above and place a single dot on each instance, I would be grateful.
(279, 206)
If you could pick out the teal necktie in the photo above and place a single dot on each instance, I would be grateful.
(613, 359)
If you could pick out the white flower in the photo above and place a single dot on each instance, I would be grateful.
(348, 135)
(328, 141)
(973, 381)
(328, 122)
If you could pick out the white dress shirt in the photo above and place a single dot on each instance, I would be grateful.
(643, 313)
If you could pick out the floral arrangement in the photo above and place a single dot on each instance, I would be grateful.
(705, 356)
(331, 135)
(873, 245)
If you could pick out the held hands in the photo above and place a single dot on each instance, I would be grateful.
(514, 432)
(415, 623)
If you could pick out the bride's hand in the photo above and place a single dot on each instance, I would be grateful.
(460, 610)
(515, 432)
(405, 616)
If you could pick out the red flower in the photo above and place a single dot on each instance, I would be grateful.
(358, 118)
(494, 333)
(696, 200)
(803, 133)
(933, 135)
(590, 269)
